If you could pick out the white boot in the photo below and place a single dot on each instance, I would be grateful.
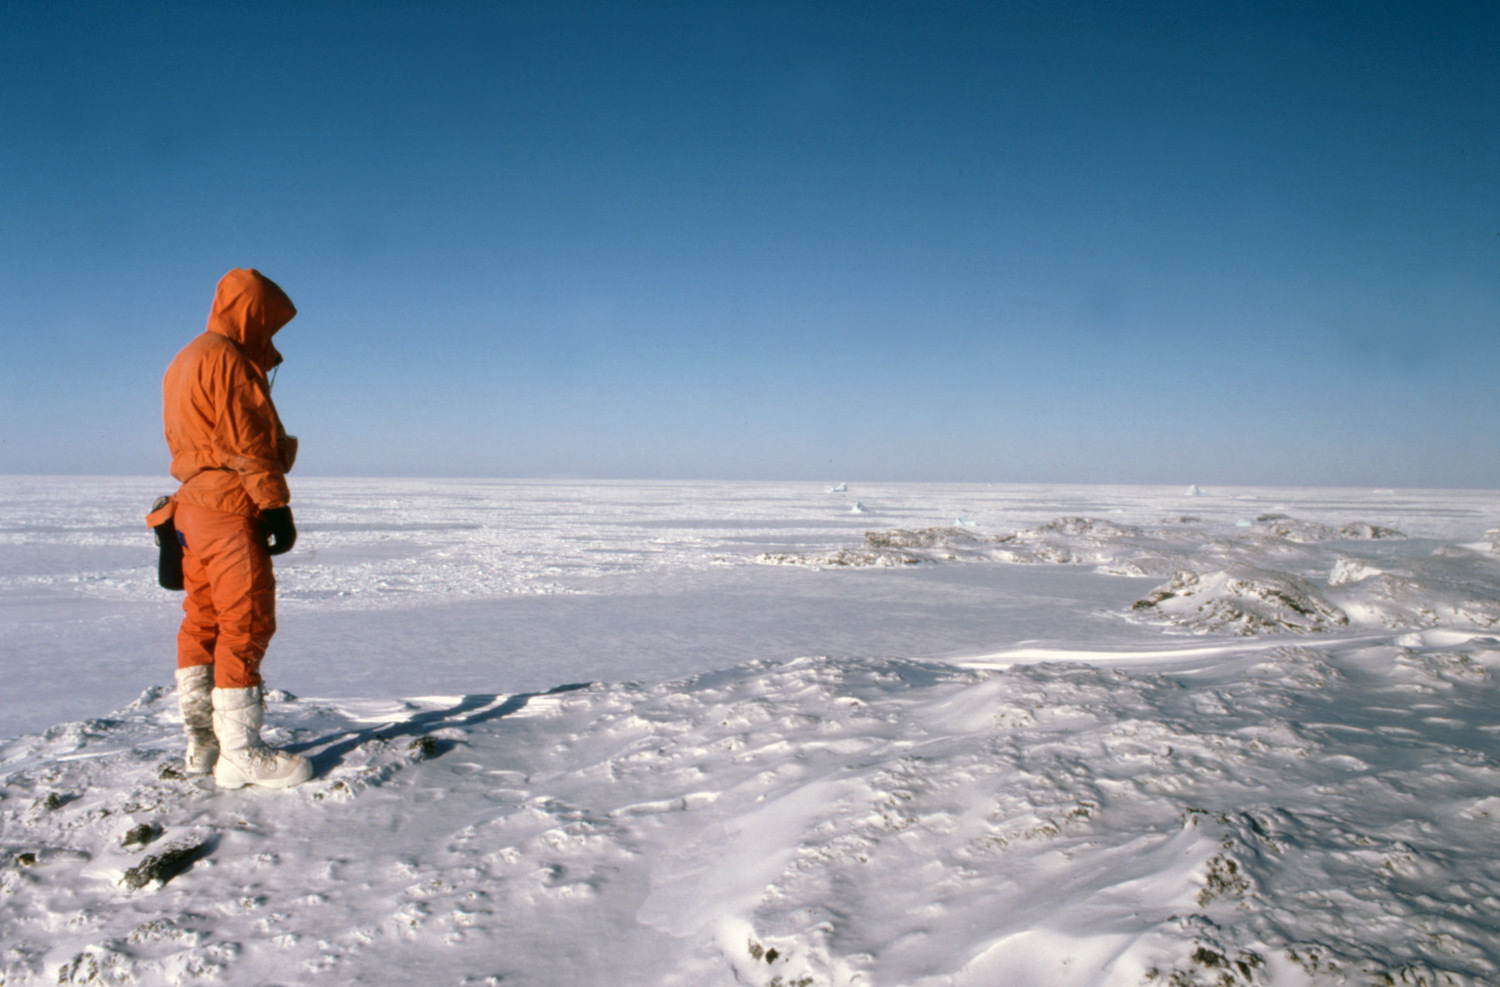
(243, 758)
(195, 688)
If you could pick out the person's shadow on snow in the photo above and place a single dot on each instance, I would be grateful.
(481, 708)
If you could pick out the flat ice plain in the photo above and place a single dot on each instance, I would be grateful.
(773, 734)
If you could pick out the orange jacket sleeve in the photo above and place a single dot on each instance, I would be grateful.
(247, 434)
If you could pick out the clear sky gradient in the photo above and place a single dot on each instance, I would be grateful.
(1114, 242)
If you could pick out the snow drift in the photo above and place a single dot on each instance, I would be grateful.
(832, 822)
(1243, 752)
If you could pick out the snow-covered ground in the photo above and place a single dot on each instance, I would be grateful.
(579, 733)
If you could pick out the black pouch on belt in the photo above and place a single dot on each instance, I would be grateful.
(169, 550)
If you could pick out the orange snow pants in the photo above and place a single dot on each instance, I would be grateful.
(230, 609)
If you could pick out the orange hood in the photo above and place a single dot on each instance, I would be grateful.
(249, 308)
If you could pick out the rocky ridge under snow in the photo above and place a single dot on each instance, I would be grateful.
(1223, 581)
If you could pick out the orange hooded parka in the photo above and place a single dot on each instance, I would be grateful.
(229, 449)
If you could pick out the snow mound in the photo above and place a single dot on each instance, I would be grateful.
(899, 546)
(828, 822)
(1188, 544)
(1360, 531)
(1122, 549)
(1244, 601)
(1091, 527)
(1451, 587)
(1283, 575)
(1065, 541)
(1291, 529)
(1347, 570)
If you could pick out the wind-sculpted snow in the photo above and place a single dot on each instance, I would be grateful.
(1270, 575)
(1245, 601)
(1066, 541)
(1119, 549)
(1320, 817)
(1077, 541)
(1283, 526)
(396, 544)
(1068, 791)
(899, 546)
(1452, 587)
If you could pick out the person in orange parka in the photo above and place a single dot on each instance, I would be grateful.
(231, 514)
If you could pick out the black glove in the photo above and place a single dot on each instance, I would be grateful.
(277, 528)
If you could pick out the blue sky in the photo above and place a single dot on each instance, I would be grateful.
(1175, 243)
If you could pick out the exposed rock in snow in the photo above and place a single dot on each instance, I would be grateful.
(1282, 526)
(844, 557)
(1066, 541)
(1452, 589)
(1244, 600)
(1120, 549)
(1089, 527)
(1242, 583)
(1439, 671)
(899, 546)
(1092, 805)
(1072, 826)
(1360, 531)
(940, 538)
